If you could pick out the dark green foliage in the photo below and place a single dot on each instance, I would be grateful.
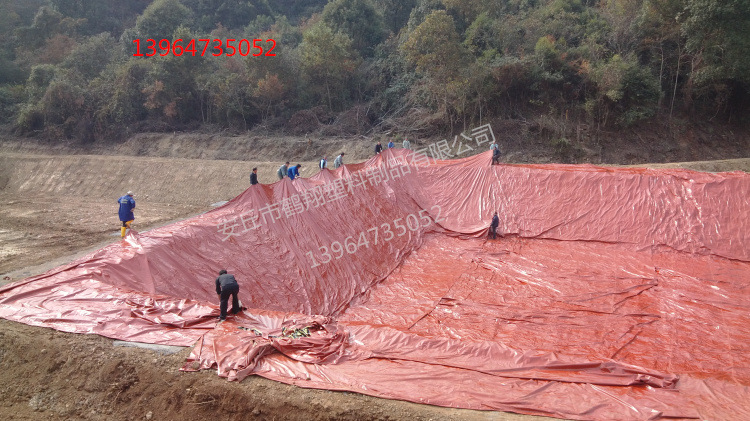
(395, 12)
(296, 10)
(90, 58)
(426, 66)
(328, 62)
(11, 97)
(10, 72)
(102, 16)
(161, 18)
(359, 20)
(229, 13)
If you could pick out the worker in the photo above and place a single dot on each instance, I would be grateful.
(494, 225)
(294, 171)
(494, 146)
(391, 145)
(406, 144)
(339, 161)
(127, 205)
(323, 162)
(495, 156)
(378, 148)
(283, 170)
(254, 177)
(226, 285)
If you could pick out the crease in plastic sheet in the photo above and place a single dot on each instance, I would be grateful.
(613, 293)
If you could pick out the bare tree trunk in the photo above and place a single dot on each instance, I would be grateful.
(676, 76)
(661, 71)
(328, 92)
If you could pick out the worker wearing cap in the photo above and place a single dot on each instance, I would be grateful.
(127, 204)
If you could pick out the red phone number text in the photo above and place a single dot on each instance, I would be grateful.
(215, 47)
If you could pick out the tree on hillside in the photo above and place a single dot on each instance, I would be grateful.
(395, 12)
(328, 61)
(625, 19)
(229, 13)
(434, 48)
(718, 37)
(121, 90)
(295, 10)
(625, 90)
(482, 36)
(161, 18)
(91, 57)
(102, 16)
(359, 20)
(269, 92)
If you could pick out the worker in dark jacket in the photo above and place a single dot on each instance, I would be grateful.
(378, 148)
(254, 177)
(226, 285)
(496, 156)
(494, 225)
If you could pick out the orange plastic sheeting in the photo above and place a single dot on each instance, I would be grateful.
(615, 293)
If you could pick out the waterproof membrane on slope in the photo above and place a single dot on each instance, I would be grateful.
(614, 294)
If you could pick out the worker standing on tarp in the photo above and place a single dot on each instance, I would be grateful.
(254, 177)
(493, 226)
(127, 204)
(496, 156)
(283, 170)
(339, 161)
(294, 171)
(226, 285)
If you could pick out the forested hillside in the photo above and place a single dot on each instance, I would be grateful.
(71, 68)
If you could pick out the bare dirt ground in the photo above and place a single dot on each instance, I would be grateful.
(45, 374)
(54, 209)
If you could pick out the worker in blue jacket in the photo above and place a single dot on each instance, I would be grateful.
(294, 171)
(127, 204)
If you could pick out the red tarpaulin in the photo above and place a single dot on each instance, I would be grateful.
(614, 293)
